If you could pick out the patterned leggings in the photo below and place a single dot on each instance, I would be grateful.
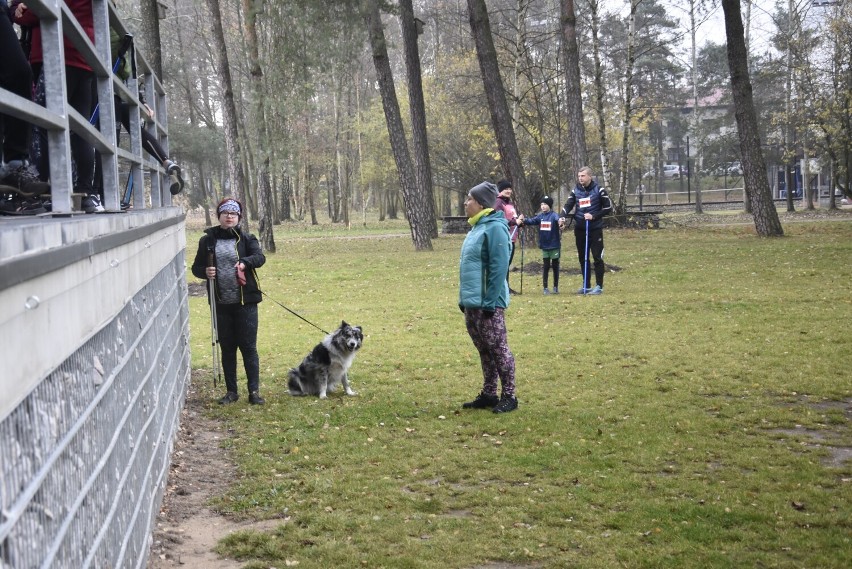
(490, 339)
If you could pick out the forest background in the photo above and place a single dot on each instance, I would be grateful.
(308, 133)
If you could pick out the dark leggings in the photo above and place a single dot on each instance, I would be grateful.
(149, 143)
(596, 248)
(15, 76)
(237, 327)
(548, 263)
(78, 83)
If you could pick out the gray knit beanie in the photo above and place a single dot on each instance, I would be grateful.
(484, 193)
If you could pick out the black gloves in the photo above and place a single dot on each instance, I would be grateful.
(486, 313)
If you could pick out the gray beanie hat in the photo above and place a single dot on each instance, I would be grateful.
(484, 193)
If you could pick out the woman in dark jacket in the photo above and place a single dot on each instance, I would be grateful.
(230, 256)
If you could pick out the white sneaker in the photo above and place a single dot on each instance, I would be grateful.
(92, 204)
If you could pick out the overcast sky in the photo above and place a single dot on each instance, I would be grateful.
(712, 23)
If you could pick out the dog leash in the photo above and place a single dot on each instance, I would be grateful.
(294, 313)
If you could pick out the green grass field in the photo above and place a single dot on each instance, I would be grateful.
(695, 415)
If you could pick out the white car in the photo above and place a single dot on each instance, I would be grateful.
(670, 171)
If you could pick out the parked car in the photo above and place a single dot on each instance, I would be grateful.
(670, 171)
(734, 168)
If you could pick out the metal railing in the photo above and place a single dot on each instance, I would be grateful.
(59, 119)
(88, 417)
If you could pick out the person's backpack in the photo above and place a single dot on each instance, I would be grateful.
(118, 48)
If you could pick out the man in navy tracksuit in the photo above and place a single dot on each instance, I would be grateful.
(589, 202)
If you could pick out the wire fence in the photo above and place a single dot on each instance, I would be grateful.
(654, 199)
(86, 454)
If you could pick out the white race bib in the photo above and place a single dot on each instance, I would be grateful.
(586, 202)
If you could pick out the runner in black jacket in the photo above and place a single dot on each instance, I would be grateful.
(589, 202)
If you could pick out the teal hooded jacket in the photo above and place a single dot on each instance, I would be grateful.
(484, 264)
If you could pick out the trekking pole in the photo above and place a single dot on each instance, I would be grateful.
(214, 320)
(125, 45)
(521, 239)
(512, 237)
(128, 191)
(586, 261)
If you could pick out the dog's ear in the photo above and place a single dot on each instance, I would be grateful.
(343, 324)
(360, 331)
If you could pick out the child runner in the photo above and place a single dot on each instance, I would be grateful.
(548, 240)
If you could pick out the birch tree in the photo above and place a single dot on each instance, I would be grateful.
(627, 109)
(599, 93)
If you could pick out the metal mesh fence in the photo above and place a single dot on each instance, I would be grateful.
(84, 458)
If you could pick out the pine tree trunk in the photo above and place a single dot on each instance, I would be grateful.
(766, 220)
(229, 109)
(264, 193)
(510, 156)
(417, 110)
(574, 99)
(150, 32)
(415, 201)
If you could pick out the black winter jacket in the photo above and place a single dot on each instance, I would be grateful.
(248, 251)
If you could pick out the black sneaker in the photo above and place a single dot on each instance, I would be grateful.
(21, 176)
(256, 399)
(173, 170)
(482, 401)
(506, 404)
(21, 206)
(92, 204)
(229, 397)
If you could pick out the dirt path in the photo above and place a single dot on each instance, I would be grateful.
(186, 529)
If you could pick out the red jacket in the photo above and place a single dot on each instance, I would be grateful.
(82, 10)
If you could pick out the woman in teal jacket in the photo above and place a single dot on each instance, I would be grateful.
(484, 295)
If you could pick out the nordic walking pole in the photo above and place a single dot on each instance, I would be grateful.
(586, 261)
(521, 239)
(214, 320)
